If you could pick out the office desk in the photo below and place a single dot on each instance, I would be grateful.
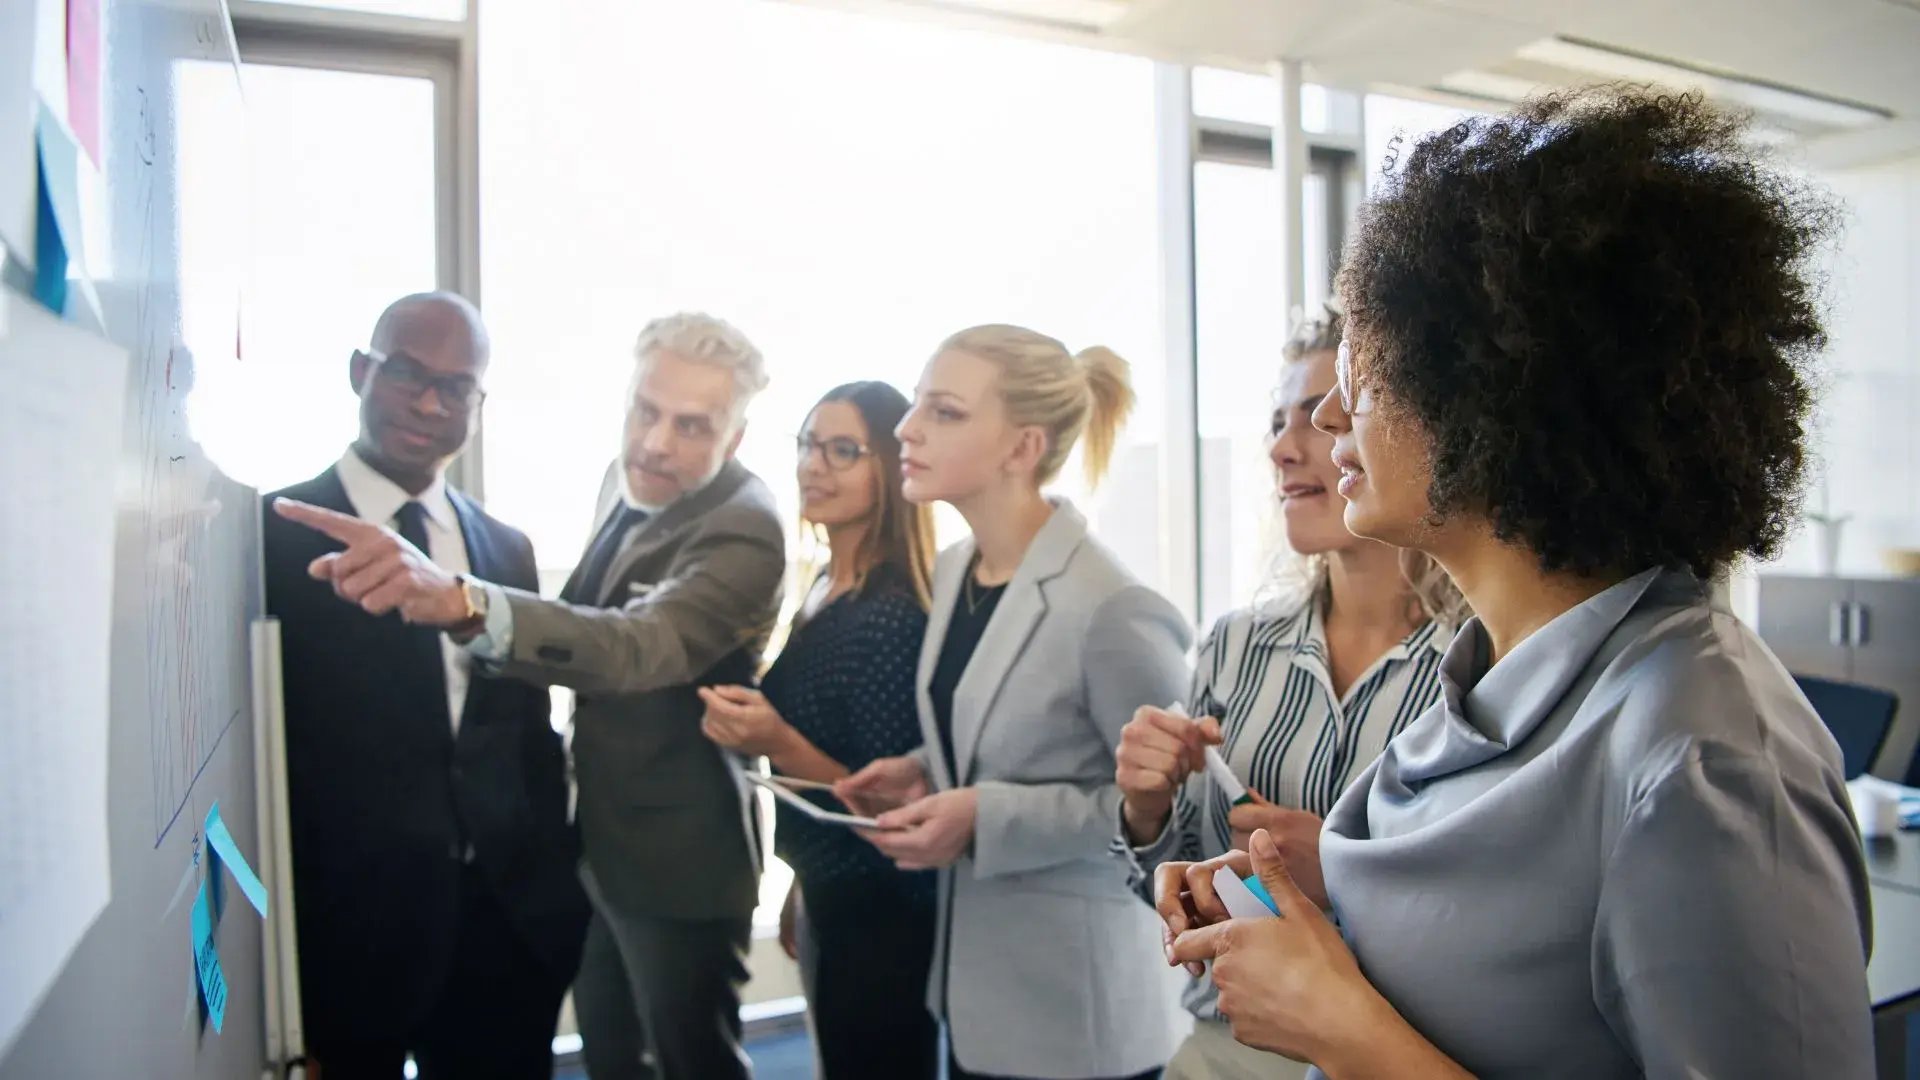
(1895, 860)
(1893, 975)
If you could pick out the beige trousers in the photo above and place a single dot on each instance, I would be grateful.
(1211, 1053)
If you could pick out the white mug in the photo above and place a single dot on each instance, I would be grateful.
(1877, 811)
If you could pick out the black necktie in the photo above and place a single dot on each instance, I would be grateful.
(413, 526)
(589, 581)
(412, 519)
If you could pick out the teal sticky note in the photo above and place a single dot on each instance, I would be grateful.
(50, 250)
(228, 852)
(206, 961)
(1260, 892)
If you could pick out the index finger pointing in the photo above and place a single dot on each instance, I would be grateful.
(342, 527)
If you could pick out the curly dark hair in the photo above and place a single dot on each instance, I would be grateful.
(1599, 308)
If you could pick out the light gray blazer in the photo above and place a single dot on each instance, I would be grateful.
(1050, 967)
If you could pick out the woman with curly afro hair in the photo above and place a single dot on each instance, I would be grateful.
(1577, 373)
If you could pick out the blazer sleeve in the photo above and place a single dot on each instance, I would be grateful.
(720, 597)
(1134, 655)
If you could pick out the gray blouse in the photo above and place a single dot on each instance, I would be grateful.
(1625, 849)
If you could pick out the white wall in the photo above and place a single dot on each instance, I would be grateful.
(1868, 429)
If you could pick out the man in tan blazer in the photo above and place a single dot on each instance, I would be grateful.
(679, 588)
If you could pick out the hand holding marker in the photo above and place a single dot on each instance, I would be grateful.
(1245, 898)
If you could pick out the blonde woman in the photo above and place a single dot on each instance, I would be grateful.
(1300, 691)
(1039, 647)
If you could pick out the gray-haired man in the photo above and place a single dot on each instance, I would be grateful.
(678, 588)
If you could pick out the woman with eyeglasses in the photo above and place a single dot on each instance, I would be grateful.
(1040, 646)
(1580, 350)
(840, 696)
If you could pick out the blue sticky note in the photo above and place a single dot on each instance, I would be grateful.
(206, 960)
(50, 251)
(228, 852)
(1260, 892)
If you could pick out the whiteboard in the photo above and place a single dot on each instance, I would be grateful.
(163, 230)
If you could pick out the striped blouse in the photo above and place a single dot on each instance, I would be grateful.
(1287, 736)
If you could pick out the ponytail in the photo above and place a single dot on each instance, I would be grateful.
(1110, 385)
(1045, 386)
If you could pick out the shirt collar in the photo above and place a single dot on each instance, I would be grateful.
(377, 499)
(1491, 710)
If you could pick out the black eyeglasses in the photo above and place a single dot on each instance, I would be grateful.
(840, 453)
(457, 393)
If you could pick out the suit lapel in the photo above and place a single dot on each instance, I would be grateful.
(608, 505)
(665, 524)
(1013, 623)
(329, 493)
(946, 592)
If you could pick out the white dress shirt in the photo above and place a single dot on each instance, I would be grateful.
(378, 499)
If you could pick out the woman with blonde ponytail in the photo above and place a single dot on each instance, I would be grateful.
(1039, 646)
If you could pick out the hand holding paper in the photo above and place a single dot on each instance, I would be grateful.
(885, 783)
(1288, 985)
(1295, 832)
(931, 833)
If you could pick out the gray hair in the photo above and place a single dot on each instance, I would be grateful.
(704, 339)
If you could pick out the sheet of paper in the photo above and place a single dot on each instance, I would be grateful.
(206, 960)
(59, 445)
(795, 783)
(1239, 898)
(18, 173)
(815, 812)
(227, 853)
(83, 75)
(60, 165)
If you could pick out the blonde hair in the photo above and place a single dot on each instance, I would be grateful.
(1297, 580)
(1069, 396)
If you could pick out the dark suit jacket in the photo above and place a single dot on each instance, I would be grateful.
(668, 827)
(384, 798)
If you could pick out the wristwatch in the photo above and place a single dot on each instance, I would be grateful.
(475, 618)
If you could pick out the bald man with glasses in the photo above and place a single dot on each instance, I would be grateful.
(439, 912)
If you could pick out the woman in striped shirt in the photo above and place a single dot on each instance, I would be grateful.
(1300, 692)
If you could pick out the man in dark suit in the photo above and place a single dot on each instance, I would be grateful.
(678, 588)
(439, 912)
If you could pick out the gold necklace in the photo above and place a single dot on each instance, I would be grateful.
(966, 591)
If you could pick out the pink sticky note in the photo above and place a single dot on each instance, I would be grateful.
(83, 74)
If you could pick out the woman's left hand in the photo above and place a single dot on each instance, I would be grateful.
(930, 833)
(740, 719)
(1288, 985)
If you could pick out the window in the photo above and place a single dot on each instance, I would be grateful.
(1240, 325)
(340, 221)
(1241, 319)
(1245, 98)
(426, 9)
(847, 191)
